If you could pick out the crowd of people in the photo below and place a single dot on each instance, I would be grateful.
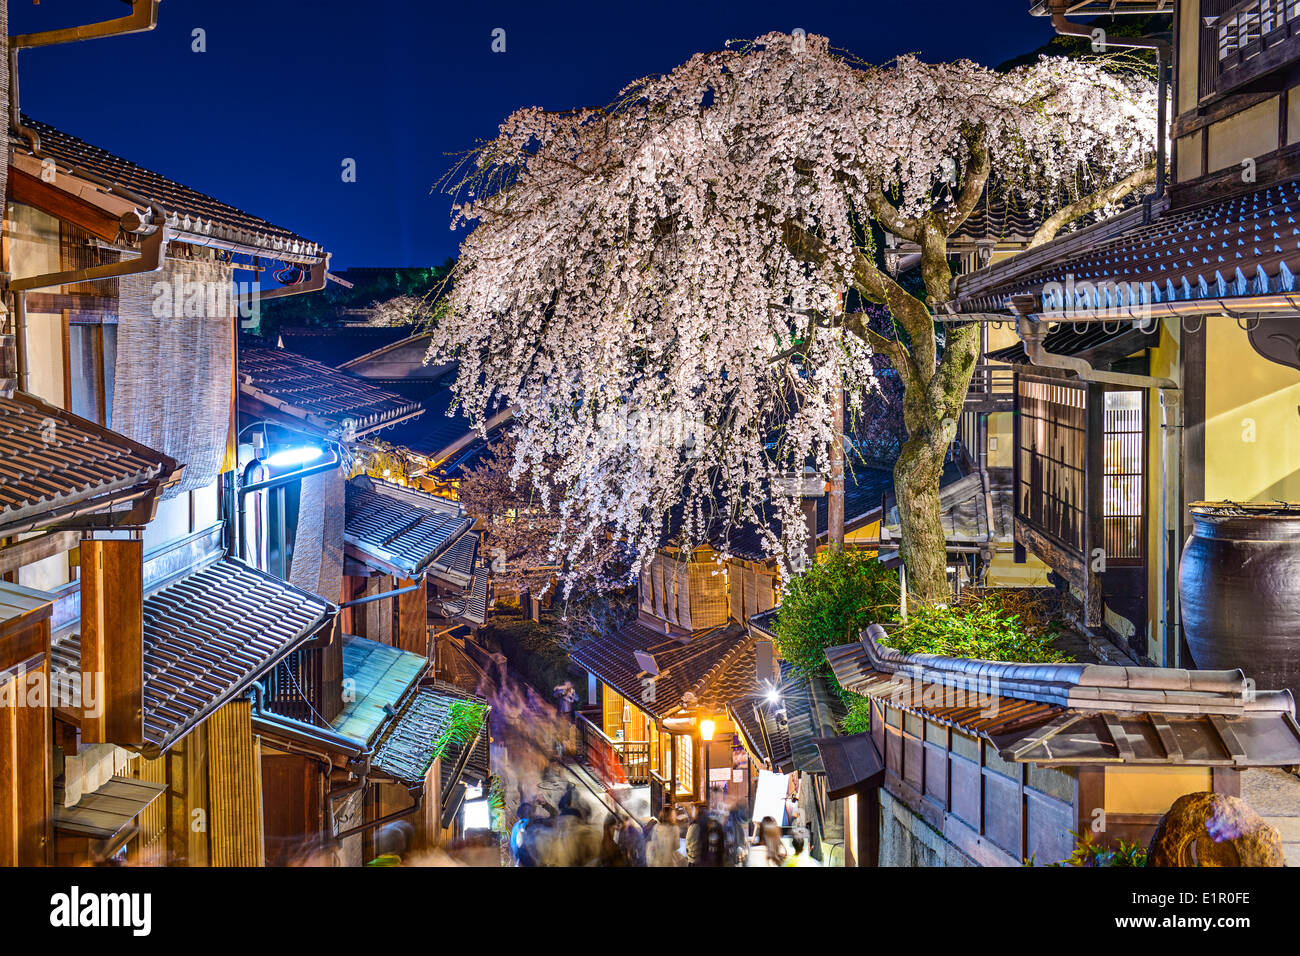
(567, 835)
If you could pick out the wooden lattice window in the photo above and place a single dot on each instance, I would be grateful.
(1123, 486)
(1053, 423)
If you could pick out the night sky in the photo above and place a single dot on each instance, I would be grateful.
(290, 88)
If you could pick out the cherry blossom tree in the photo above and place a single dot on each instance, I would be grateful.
(523, 543)
(667, 289)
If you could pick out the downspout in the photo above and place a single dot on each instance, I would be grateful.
(380, 597)
(417, 795)
(1032, 332)
(1164, 55)
(142, 18)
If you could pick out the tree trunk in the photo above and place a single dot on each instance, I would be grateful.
(835, 501)
(916, 488)
(931, 413)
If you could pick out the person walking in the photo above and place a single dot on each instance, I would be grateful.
(773, 848)
(799, 857)
(665, 839)
(632, 840)
(611, 853)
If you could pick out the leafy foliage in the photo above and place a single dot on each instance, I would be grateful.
(981, 627)
(829, 603)
(1088, 853)
(466, 721)
(857, 720)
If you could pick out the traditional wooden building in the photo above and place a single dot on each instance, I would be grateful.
(995, 764)
(119, 470)
(1156, 361)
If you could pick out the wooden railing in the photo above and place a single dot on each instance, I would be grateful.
(614, 761)
(296, 686)
(992, 389)
(1248, 41)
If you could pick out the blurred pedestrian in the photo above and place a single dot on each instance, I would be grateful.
(611, 853)
(799, 857)
(665, 839)
(694, 835)
(773, 848)
(713, 843)
(632, 840)
(518, 851)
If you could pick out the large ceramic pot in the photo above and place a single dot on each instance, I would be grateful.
(1239, 583)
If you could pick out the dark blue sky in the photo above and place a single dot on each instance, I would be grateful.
(289, 88)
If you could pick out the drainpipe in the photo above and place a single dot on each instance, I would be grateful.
(417, 795)
(358, 765)
(1032, 332)
(379, 597)
(1164, 55)
(153, 251)
(142, 18)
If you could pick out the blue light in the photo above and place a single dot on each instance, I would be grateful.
(294, 456)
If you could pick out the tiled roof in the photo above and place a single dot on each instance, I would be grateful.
(1076, 713)
(1248, 244)
(334, 345)
(999, 219)
(337, 402)
(207, 637)
(456, 565)
(381, 676)
(434, 431)
(471, 606)
(189, 211)
(962, 511)
(411, 742)
(470, 760)
(402, 529)
(851, 763)
(51, 460)
(712, 665)
(864, 487)
(108, 812)
(785, 729)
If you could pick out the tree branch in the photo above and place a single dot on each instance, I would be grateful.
(977, 175)
(1091, 203)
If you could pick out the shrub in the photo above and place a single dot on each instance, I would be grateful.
(858, 718)
(1088, 853)
(829, 603)
(980, 627)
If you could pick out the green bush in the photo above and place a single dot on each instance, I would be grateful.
(829, 603)
(1088, 853)
(981, 628)
(858, 718)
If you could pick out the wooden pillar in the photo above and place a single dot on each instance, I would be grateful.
(235, 787)
(112, 642)
(26, 771)
(413, 617)
(868, 826)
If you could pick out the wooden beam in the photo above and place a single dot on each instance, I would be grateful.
(112, 641)
(36, 549)
(32, 191)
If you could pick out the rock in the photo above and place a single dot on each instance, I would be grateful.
(1213, 829)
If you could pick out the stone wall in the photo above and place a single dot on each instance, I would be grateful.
(907, 840)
